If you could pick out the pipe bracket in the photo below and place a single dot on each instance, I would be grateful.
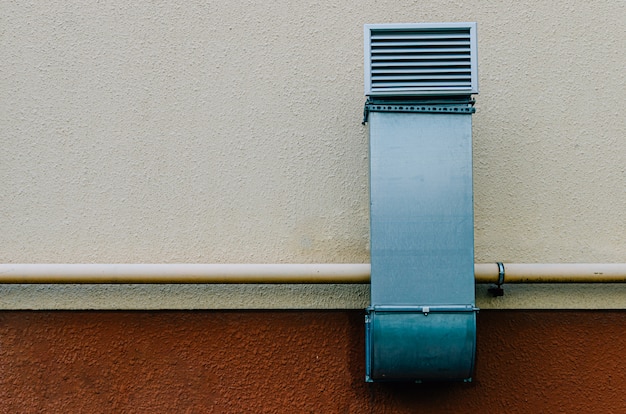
(497, 289)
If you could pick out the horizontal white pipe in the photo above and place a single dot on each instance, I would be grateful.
(288, 273)
(184, 273)
(561, 273)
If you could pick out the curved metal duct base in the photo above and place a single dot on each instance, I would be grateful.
(420, 344)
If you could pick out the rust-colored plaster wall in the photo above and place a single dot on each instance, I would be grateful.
(296, 362)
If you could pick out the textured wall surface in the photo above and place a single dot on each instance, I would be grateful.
(217, 132)
(296, 362)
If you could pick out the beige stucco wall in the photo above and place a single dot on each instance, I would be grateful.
(230, 132)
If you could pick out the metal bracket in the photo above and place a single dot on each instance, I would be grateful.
(497, 289)
(453, 106)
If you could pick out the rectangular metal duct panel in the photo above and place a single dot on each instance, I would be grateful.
(420, 59)
(421, 209)
(421, 324)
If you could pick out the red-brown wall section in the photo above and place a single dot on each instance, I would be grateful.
(297, 362)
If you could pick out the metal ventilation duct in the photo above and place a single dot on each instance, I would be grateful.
(421, 324)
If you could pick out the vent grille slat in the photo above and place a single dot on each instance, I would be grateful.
(419, 44)
(421, 59)
(397, 35)
(409, 89)
(417, 64)
(422, 50)
(434, 58)
(421, 71)
(422, 84)
(433, 77)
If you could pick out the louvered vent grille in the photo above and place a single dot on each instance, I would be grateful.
(420, 59)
